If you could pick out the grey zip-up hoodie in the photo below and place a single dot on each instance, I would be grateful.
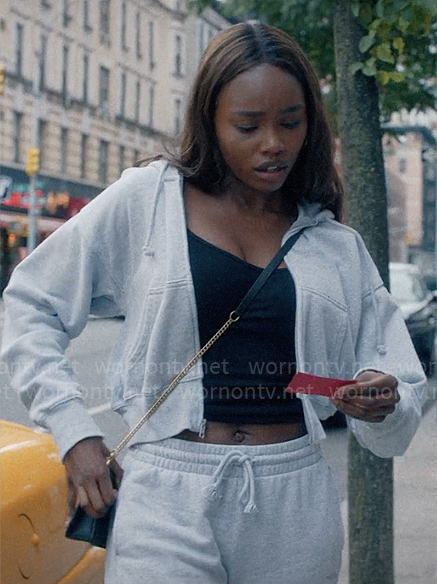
(126, 253)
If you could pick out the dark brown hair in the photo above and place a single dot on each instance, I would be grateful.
(235, 50)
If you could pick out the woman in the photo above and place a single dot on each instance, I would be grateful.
(225, 482)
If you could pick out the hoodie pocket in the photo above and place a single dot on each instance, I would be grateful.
(324, 331)
(137, 364)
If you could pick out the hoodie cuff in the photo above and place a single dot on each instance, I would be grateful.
(390, 437)
(70, 423)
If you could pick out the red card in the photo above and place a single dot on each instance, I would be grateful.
(315, 385)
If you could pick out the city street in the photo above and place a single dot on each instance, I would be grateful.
(154, 156)
(415, 473)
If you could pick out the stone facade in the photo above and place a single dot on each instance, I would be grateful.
(95, 84)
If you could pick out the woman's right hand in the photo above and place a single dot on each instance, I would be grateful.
(89, 483)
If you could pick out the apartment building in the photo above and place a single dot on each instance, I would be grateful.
(410, 162)
(95, 85)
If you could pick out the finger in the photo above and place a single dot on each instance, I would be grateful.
(82, 497)
(118, 471)
(370, 403)
(360, 411)
(91, 501)
(71, 499)
(106, 489)
(348, 392)
(379, 384)
(97, 493)
(367, 392)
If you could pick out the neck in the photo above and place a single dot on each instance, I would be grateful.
(252, 202)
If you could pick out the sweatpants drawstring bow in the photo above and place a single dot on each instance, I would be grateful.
(249, 479)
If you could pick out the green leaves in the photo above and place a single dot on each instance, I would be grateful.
(384, 77)
(367, 41)
(383, 53)
(389, 23)
(395, 47)
(369, 67)
(399, 44)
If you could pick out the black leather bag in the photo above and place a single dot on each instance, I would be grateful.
(83, 527)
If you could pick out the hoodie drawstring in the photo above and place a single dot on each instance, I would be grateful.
(235, 457)
(380, 345)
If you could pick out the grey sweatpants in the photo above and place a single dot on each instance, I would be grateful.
(190, 512)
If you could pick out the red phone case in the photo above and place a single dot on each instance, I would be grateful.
(315, 385)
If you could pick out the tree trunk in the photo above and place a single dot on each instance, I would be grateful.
(370, 489)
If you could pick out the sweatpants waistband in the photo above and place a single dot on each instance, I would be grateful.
(204, 458)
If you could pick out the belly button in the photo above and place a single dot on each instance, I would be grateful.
(239, 436)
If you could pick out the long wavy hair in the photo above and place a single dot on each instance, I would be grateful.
(239, 48)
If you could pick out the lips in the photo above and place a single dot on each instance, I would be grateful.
(271, 167)
(272, 173)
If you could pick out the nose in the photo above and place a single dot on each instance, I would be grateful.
(272, 141)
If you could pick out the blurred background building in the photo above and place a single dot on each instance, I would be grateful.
(411, 162)
(94, 85)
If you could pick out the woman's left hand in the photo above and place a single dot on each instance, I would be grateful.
(371, 399)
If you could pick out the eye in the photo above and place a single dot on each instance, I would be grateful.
(291, 125)
(246, 129)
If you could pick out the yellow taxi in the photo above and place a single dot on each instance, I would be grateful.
(33, 493)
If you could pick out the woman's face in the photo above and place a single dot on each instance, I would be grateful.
(261, 125)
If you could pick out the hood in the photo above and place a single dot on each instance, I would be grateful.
(312, 213)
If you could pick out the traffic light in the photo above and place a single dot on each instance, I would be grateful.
(2, 78)
(32, 165)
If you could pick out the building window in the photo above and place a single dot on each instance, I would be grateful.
(151, 45)
(177, 115)
(151, 105)
(138, 36)
(86, 71)
(123, 95)
(402, 165)
(83, 155)
(121, 157)
(42, 63)
(123, 26)
(103, 161)
(64, 89)
(104, 22)
(19, 50)
(137, 100)
(86, 15)
(41, 139)
(63, 150)
(16, 135)
(104, 87)
(178, 56)
(66, 16)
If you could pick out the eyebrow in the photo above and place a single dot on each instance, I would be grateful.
(255, 114)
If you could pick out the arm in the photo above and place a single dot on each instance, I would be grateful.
(384, 407)
(83, 267)
(47, 304)
(77, 270)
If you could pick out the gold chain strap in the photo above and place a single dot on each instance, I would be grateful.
(161, 399)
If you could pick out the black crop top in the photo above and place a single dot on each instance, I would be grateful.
(247, 369)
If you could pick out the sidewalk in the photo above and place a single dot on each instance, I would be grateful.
(415, 508)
